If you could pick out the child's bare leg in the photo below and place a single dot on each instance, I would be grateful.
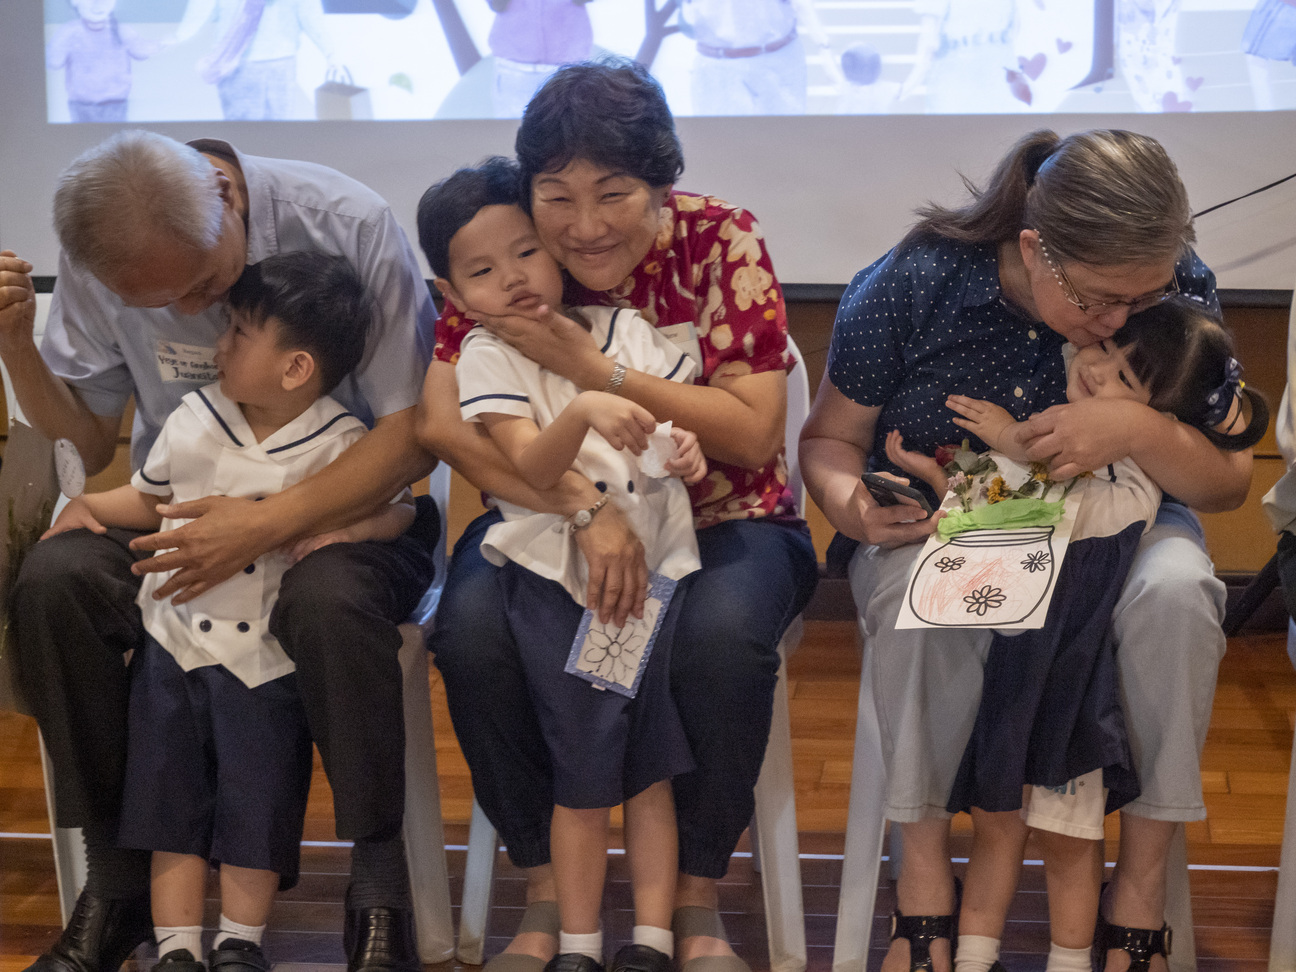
(652, 844)
(1073, 873)
(994, 867)
(246, 897)
(579, 842)
(178, 888)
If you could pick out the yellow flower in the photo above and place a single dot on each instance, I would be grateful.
(997, 492)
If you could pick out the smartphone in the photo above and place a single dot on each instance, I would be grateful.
(887, 492)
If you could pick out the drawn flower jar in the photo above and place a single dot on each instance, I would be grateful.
(985, 578)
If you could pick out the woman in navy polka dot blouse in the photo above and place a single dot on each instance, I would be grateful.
(1068, 237)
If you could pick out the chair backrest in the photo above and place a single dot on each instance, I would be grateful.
(798, 407)
(439, 490)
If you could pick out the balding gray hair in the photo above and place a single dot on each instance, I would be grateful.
(131, 191)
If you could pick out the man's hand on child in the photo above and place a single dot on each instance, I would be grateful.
(688, 463)
(75, 516)
(624, 424)
(224, 535)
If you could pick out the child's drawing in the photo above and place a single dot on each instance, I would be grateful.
(993, 578)
(614, 658)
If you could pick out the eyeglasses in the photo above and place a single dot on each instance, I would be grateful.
(1099, 307)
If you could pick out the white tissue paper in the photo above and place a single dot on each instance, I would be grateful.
(661, 450)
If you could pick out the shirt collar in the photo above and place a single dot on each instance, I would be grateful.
(224, 419)
(260, 232)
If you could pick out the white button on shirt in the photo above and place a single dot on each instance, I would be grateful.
(206, 448)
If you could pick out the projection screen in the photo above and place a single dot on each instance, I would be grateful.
(829, 119)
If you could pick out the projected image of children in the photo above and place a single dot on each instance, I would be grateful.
(196, 60)
(254, 61)
(530, 39)
(95, 52)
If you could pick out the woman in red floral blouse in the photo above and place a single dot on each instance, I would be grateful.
(597, 146)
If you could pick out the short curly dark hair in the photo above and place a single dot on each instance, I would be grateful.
(610, 112)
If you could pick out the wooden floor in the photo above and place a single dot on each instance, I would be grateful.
(1235, 851)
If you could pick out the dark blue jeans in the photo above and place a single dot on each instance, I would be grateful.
(756, 576)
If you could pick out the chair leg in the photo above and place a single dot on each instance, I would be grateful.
(865, 826)
(1282, 940)
(422, 829)
(775, 835)
(69, 847)
(1183, 949)
(479, 875)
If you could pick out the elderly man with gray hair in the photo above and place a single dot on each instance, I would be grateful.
(154, 233)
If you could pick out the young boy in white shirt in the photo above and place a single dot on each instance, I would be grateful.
(219, 754)
(605, 748)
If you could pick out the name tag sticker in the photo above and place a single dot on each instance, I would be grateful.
(186, 362)
(685, 337)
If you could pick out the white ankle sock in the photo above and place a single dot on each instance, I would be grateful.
(229, 928)
(661, 939)
(975, 953)
(182, 936)
(591, 945)
(1067, 959)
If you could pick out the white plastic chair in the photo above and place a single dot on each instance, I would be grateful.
(424, 839)
(775, 848)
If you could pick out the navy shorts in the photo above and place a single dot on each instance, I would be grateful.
(605, 748)
(214, 768)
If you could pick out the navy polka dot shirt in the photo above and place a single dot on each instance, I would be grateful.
(929, 322)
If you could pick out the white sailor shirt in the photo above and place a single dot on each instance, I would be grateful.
(494, 377)
(206, 448)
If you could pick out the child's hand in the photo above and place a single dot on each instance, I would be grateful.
(915, 463)
(75, 516)
(624, 424)
(985, 420)
(310, 544)
(688, 464)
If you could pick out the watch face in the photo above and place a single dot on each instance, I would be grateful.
(582, 518)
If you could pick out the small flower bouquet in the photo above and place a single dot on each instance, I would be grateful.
(987, 500)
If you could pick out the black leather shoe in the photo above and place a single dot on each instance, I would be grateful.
(573, 962)
(101, 935)
(640, 958)
(237, 955)
(179, 960)
(380, 940)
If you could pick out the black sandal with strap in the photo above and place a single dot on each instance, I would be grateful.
(921, 930)
(1141, 944)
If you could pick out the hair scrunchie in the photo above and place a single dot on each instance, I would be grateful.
(1220, 400)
